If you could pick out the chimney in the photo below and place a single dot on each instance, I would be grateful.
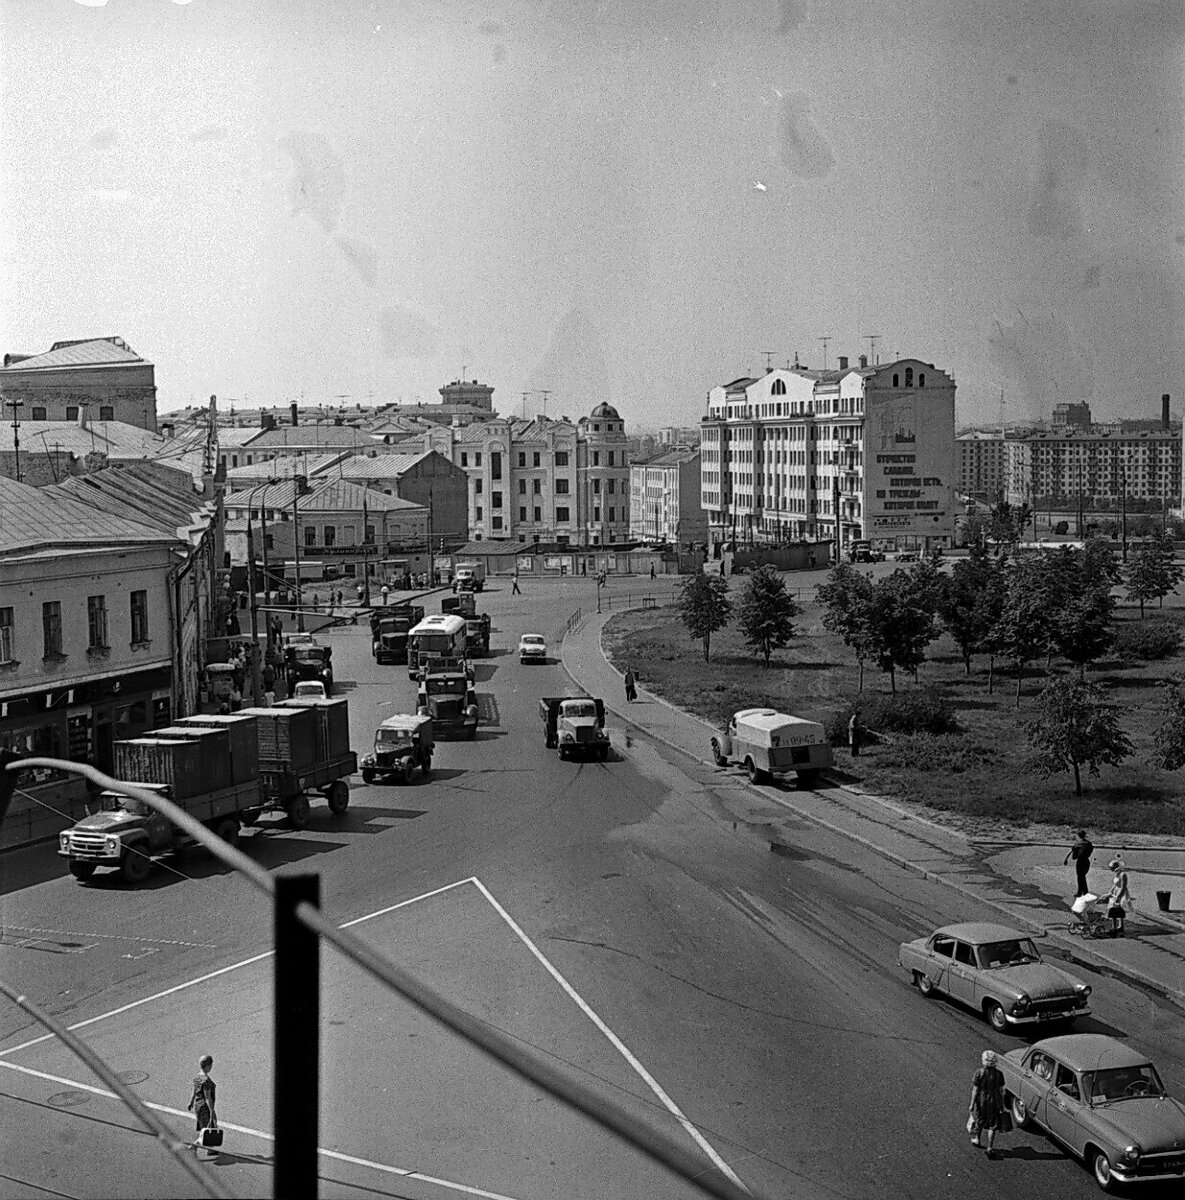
(267, 421)
(863, 361)
(292, 409)
(302, 484)
(168, 430)
(843, 362)
(1164, 410)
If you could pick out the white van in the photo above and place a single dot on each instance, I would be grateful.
(767, 743)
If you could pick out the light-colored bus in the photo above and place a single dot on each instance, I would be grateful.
(438, 636)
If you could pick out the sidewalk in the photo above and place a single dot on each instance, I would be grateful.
(1025, 883)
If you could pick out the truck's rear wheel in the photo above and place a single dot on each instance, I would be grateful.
(81, 870)
(134, 866)
(338, 796)
(227, 828)
(755, 773)
(298, 811)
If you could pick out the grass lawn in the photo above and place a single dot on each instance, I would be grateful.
(976, 777)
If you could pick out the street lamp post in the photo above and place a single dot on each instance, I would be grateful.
(296, 553)
(16, 434)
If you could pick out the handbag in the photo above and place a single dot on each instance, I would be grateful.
(211, 1137)
(972, 1124)
(1005, 1121)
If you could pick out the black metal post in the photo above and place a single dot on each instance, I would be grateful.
(296, 1074)
(296, 553)
(1123, 508)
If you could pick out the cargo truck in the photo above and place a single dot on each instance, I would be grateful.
(446, 694)
(309, 662)
(574, 725)
(389, 628)
(224, 770)
(477, 625)
(469, 576)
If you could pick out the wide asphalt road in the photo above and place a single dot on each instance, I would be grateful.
(628, 919)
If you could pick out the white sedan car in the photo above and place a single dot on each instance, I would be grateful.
(310, 687)
(532, 647)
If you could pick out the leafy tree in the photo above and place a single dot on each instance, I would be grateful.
(1021, 632)
(766, 612)
(1169, 738)
(1152, 573)
(960, 607)
(1083, 627)
(1076, 729)
(1171, 573)
(1100, 563)
(845, 598)
(899, 626)
(1008, 522)
(704, 606)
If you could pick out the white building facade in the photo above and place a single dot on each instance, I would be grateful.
(665, 499)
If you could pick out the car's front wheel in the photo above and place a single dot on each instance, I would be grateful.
(922, 980)
(995, 1016)
(1020, 1113)
(719, 759)
(1103, 1176)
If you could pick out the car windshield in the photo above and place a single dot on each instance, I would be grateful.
(1122, 1083)
(446, 687)
(308, 654)
(580, 710)
(1010, 953)
(392, 739)
(532, 639)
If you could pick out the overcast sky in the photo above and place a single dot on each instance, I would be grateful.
(631, 200)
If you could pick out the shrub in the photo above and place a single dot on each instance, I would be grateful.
(1061, 528)
(1148, 640)
(916, 710)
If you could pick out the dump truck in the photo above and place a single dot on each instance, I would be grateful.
(446, 694)
(225, 770)
(195, 769)
(575, 725)
(389, 628)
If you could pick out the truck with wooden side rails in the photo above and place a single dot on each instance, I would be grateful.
(446, 694)
(575, 726)
(389, 629)
(224, 770)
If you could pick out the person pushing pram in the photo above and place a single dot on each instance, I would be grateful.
(1088, 921)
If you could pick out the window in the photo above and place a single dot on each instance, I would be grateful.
(522, 458)
(538, 515)
(596, 514)
(464, 459)
(495, 499)
(495, 464)
(96, 622)
(921, 379)
(1066, 1081)
(896, 380)
(611, 458)
(139, 617)
(536, 486)
(51, 628)
(39, 413)
(535, 459)
(779, 388)
(497, 522)
(7, 635)
(522, 512)
(477, 488)
(909, 376)
(611, 485)
(522, 487)
(477, 459)
(612, 515)
(561, 487)
(596, 458)
(561, 514)
(71, 412)
(369, 535)
(310, 536)
(596, 486)
(330, 535)
(964, 954)
(479, 512)
(944, 947)
(561, 458)
(106, 412)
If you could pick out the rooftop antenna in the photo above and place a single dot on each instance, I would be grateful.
(769, 357)
(872, 339)
(824, 339)
(524, 410)
(797, 364)
(545, 392)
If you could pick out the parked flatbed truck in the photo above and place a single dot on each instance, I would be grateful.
(574, 725)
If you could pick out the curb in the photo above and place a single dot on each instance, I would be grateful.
(1080, 949)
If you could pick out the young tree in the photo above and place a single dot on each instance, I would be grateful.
(900, 626)
(1008, 522)
(960, 606)
(1100, 563)
(766, 612)
(1146, 575)
(1169, 754)
(845, 598)
(1076, 729)
(704, 606)
(1021, 632)
(1083, 629)
(1171, 573)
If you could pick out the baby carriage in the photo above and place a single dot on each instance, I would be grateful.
(1088, 922)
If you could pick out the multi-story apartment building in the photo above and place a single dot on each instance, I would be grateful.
(665, 498)
(1060, 467)
(859, 452)
(982, 464)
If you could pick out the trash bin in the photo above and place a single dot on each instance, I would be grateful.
(1162, 900)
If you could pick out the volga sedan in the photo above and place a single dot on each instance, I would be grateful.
(1103, 1101)
(996, 971)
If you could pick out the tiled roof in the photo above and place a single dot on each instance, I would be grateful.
(31, 519)
(97, 352)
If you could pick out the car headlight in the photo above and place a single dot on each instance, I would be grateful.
(1130, 1155)
(64, 841)
(1021, 1003)
(111, 844)
(1083, 990)
(567, 736)
(368, 760)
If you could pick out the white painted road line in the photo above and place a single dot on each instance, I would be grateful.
(614, 1040)
(337, 1156)
(246, 962)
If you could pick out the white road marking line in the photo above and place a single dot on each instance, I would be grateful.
(386, 1168)
(122, 937)
(616, 1042)
(115, 1012)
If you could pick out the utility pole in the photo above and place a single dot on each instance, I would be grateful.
(256, 680)
(296, 554)
(267, 591)
(16, 433)
(838, 530)
(431, 556)
(825, 339)
(1123, 507)
(365, 556)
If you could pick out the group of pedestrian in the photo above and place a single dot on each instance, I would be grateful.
(1119, 897)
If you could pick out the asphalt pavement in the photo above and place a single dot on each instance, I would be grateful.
(1025, 884)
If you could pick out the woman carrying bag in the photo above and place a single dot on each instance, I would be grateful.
(1120, 899)
(201, 1104)
(988, 1114)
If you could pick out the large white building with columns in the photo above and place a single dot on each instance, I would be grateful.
(861, 452)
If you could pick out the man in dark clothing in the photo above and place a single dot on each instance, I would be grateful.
(1080, 852)
(855, 733)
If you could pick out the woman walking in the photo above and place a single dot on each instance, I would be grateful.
(201, 1101)
(631, 685)
(987, 1114)
(1120, 899)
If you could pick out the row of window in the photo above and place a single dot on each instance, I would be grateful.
(38, 412)
(96, 624)
(562, 459)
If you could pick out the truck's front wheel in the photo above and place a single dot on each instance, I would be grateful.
(81, 870)
(227, 828)
(134, 865)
